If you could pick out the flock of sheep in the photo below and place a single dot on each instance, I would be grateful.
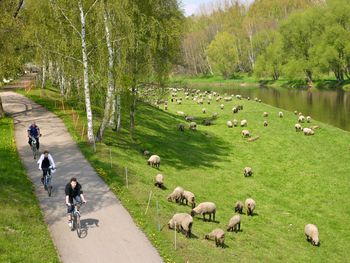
(183, 222)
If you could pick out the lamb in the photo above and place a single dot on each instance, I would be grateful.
(159, 181)
(301, 119)
(193, 126)
(297, 127)
(189, 197)
(176, 195)
(229, 124)
(204, 110)
(311, 232)
(250, 205)
(218, 235)
(234, 224)
(235, 110)
(248, 171)
(181, 127)
(206, 208)
(154, 161)
(235, 123)
(280, 114)
(244, 123)
(308, 119)
(180, 113)
(239, 207)
(245, 133)
(215, 115)
(189, 118)
(222, 106)
(265, 114)
(308, 131)
(182, 222)
(265, 123)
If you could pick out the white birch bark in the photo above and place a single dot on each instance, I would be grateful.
(43, 76)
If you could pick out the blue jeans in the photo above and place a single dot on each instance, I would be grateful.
(70, 208)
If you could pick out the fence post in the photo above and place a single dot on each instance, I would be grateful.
(158, 223)
(149, 200)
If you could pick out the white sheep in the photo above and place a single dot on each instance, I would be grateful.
(265, 114)
(245, 133)
(182, 222)
(235, 110)
(244, 123)
(229, 124)
(247, 171)
(205, 208)
(265, 124)
(189, 198)
(301, 119)
(159, 181)
(218, 235)
(176, 195)
(181, 127)
(308, 119)
(296, 112)
(215, 115)
(222, 106)
(280, 114)
(297, 127)
(180, 113)
(204, 110)
(308, 131)
(154, 161)
(239, 207)
(311, 232)
(235, 123)
(193, 126)
(250, 205)
(234, 224)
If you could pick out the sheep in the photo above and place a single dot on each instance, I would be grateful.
(298, 127)
(248, 98)
(193, 126)
(235, 123)
(239, 97)
(218, 235)
(245, 133)
(244, 123)
(315, 127)
(181, 222)
(265, 114)
(154, 161)
(165, 107)
(301, 119)
(300, 113)
(222, 106)
(308, 131)
(296, 112)
(189, 118)
(239, 207)
(265, 123)
(228, 98)
(180, 113)
(240, 107)
(159, 181)
(234, 224)
(280, 114)
(208, 102)
(176, 195)
(235, 110)
(215, 115)
(229, 124)
(146, 152)
(311, 232)
(250, 205)
(207, 122)
(188, 197)
(308, 119)
(206, 208)
(181, 127)
(260, 100)
(247, 171)
(179, 102)
(256, 99)
(204, 110)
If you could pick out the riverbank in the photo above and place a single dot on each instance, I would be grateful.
(294, 180)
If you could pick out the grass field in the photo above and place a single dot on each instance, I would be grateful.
(24, 236)
(297, 180)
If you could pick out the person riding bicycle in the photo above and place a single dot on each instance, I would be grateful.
(34, 131)
(74, 192)
(46, 164)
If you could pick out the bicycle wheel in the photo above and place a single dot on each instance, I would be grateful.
(78, 226)
(34, 150)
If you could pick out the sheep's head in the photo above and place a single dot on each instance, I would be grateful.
(171, 224)
(193, 213)
(315, 242)
(169, 198)
(206, 236)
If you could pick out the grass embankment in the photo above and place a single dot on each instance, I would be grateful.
(328, 82)
(24, 236)
(297, 180)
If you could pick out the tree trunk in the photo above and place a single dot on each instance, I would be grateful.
(133, 112)
(43, 79)
(112, 118)
(50, 70)
(308, 76)
(90, 128)
(118, 114)
(2, 112)
(110, 89)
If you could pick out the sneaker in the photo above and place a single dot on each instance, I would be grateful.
(70, 224)
(42, 180)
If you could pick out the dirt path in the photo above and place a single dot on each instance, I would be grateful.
(111, 235)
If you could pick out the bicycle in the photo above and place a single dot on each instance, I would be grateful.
(33, 144)
(75, 214)
(47, 180)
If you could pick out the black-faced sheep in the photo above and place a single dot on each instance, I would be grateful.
(176, 195)
(204, 110)
(154, 161)
(189, 198)
(308, 131)
(189, 118)
(159, 181)
(235, 123)
(181, 127)
(214, 115)
(222, 106)
(311, 232)
(193, 126)
(235, 110)
(297, 127)
(308, 119)
(301, 119)
(229, 124)
(250, 205)
(280, 114)
(265, 124)
(245, 133)
(247, 171)
(206, 208)
(234, 224)
(244, 123)
(239, 207)
(182, 222)
(265, 114)
(218, 235)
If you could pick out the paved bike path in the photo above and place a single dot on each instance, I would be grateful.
(111, 234)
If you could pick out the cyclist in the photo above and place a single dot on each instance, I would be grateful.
(46, 164)
(34, 131)
(73, 192)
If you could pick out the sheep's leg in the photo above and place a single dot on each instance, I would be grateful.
(203, 216)
(209, 217)
(214, 216)
(238, 226)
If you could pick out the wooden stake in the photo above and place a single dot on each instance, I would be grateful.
(158, 223)
(149, 200)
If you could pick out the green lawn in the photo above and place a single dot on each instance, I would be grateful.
(24, 236)
(297, 180)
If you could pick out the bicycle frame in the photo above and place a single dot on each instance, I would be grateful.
(75, 214)
(47, 181)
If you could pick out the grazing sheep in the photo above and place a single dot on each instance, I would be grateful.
(207, 122)
(229, 124)
(154, 161)
(176, 195)
(308, 119)
(240, 107)
(159, 180)
(189, 197)
(180, 113)
(244, 123)
(265, 124)
(215, 115)
(239, 207)
(239, 97)
(296, 112)
(208, 102)
(189, 118)
(245, 133)
(235, 123)
(193, 126)
(260, 100)
(234, 224)
(280, 114)
(181, 127)
(250, 205)
(298, 127)
(179, 102)
(146, 153)
(206, 208)
(247, 171)
(228, 98)
(301, 119)
(204, 110)
(182, 222)
(265, 114)
(222, 106)
(256, 99)
(311, 232)
(218, 235)
(235, 110)
(300, 113)
(308, 131)
(165, 107)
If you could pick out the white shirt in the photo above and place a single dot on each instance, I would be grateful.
(52, 163)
